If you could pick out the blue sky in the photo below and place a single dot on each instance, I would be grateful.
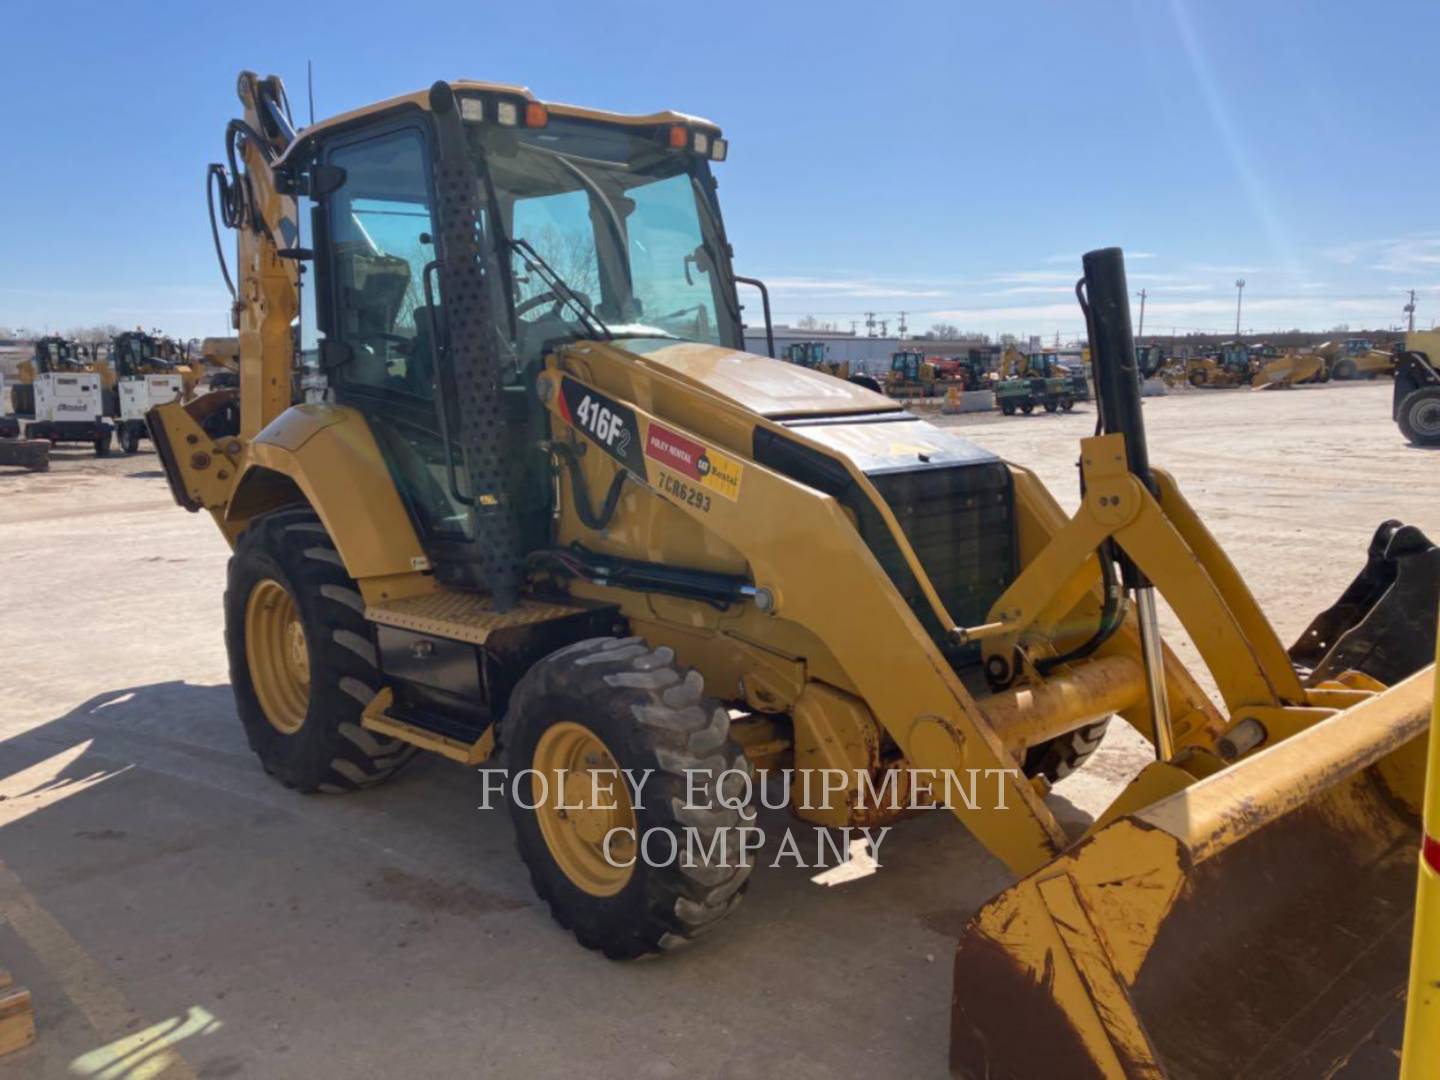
(947, 159)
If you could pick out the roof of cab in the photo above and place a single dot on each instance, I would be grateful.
(421, 99)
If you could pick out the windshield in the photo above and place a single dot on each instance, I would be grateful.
(624, 223)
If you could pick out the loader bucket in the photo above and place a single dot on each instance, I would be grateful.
(1255, 924)
(1384, 622)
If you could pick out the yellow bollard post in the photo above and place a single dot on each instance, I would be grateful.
(1421, 1057)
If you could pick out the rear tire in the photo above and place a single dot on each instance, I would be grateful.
(328, 750)
(1343, 369)
(1051, 406)
(102, 445)
(1008, 408)
(129, 439)
(1419, 416)
(1197, 378)
(1027, 407)
(644, 712)
(1067, 404)
(869, 382)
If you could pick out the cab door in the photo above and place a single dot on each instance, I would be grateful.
(374, 237)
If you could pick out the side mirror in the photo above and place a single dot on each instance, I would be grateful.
(325, 180)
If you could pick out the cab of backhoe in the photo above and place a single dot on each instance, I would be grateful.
(587, 227)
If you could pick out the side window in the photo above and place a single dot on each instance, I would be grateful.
(380, 237)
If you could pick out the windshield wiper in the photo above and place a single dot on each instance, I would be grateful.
(537, 264)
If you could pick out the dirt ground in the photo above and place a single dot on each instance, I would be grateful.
(173, 910)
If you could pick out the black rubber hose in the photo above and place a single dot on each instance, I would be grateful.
(1111, 616)
(581, 494)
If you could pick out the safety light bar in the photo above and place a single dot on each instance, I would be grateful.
(703, 143)
(507, 112)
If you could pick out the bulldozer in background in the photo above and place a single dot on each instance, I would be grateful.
(815, 355)
(912, 374)
(538, 516)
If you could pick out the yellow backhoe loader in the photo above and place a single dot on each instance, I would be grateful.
(1228, 366)
(550, 508)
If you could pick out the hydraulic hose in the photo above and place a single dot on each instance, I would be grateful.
(581, 494)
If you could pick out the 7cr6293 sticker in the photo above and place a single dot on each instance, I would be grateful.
(713, 470)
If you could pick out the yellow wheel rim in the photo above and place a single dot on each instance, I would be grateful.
(277, 656)
(582, 801)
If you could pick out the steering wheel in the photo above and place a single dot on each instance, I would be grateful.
(527, 306)
(549, 296)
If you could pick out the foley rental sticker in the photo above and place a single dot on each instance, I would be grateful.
(709, 468)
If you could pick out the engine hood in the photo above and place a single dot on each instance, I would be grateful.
(772, 388)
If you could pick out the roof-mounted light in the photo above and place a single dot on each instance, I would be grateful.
(536, 115)
(508, 113)
(472, 108)
(719, 148)
(679, 137)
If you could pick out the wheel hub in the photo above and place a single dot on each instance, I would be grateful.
(584, 811)
(1426, 419)
(277, 655)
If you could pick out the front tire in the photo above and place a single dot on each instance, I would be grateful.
(1343, 369)
(1027, 407)
(302, 662)
(129, 439)
(610, 704)
(102, 445)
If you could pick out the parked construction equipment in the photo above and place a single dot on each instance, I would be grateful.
(60, 395)
(1277, 368)
(1229, 366)
(815, 355)
(1415, 403)
(911, 375)
(1357, 359)
(150, 370)
(565, 514)
(1028, 382)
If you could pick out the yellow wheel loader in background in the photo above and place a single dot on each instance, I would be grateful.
(550, 509)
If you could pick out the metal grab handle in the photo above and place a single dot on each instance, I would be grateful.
(441, 388)
(765, 302)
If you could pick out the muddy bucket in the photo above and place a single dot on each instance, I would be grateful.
(1255, 924)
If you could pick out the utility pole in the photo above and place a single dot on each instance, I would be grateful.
(1141, 332)
(1239, 294)
(903, 327)
(884, 327)
(1410, 310)
(869, 324)
(852, 327)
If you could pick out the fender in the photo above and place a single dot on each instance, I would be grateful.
(326, 455)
